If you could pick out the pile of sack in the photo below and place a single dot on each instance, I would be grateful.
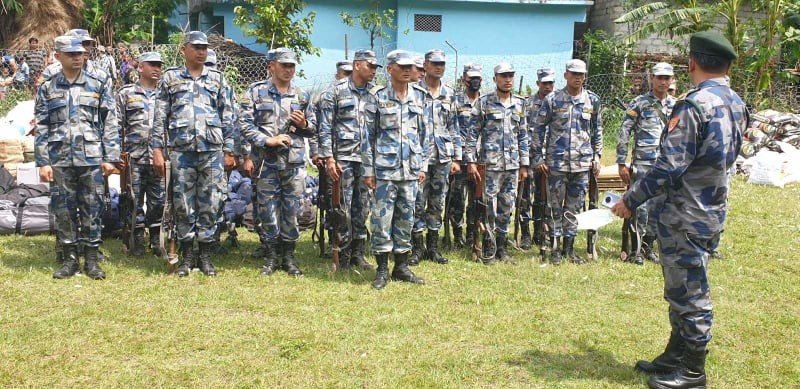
(771, 149)
(24, 209)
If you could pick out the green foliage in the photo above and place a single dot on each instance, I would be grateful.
(11, 7)
(375, 22)
(607, 59)
(680, 18)
(278, 23)
(129, 20)
(14, 96)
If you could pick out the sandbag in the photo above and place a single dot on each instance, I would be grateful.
(11, 151)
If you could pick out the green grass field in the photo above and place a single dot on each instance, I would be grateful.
(471, 325)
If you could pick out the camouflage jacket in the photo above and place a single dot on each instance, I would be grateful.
(442, 121)
(76, 124)
(701, 142)
(569, 130)
(91, 67)
(498, 135)
(645, 120)
(195, 114)
(135, 109)
(534, 105)
(264, 114)
(397, 143)
(463, 108)
(341, 113)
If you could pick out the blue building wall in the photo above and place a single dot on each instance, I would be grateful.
(529, 36)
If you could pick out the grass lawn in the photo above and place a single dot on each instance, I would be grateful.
(523, 325)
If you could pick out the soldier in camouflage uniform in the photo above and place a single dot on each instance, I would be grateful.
(193, 120)
(445, 159)
(463, 102)
(545, 82)
(136, 108)
(569, 129)
(418, 72)
(394, 160)
(645, 120)
(341, 114)
(275, 117)
(77, 143)
(89, 65)
(498, 122)
(701, 142)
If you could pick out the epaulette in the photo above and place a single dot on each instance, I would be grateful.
(685, 99)
(126, 86)
(257, 83)
(172, 68)
(341, 81)
(376, 89)
(418, 86)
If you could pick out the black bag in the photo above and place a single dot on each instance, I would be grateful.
(7, 181)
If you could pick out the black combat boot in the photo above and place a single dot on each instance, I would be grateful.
(289, 260)
(69, 262)
(357, 254)
(691, 373)
(138, 243)
(155, 241)
(432, 241)
(470, 235)
(417, 248)
(668, 360)
(270, 259)
(489, 250)
(458, 238)
(502, 252)
(526, 243)
(261, 250)
(187, 251)
(206, 249)
(569, 251)
(382, 274)
(649, 247)
(90, 267)
(216, 245)
(555, 250)
(401, 272)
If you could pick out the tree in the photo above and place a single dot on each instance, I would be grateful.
(131, 18)
(373, 21)
(276, 23)
(682, 17)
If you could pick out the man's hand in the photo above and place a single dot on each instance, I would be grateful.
(46, 173)
(299, 119)
(333, 169)
(317, 161)
(472, 171)
(596, 167)
(542, 169)
(625, 174)
(455, 167)
(421, 178)
(158, 163)
(281, 140)
(369, 182)
(621, 210)
(248, 167)
(523, 173)
(107, 168)
(229, 162)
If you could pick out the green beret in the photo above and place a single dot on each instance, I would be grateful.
(712, 43)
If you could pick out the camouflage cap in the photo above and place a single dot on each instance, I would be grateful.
(663, 69)
(400, 57)
(419, 62)
(150, 56)
(344, 66)
(69, 44)
(285, 55)
(473, 70)
(211, 58)
(576, 66)
(195, 38)
(271, 55)
(712, 43)
(503, 67)
(82, 34)
(366, 55)
(546, 75)
(435, 55)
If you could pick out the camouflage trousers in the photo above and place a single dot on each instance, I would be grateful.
(566, 197)
(77, 188)
(500, 194)
(429, 203)
(278, 197)
(525, 205)
(393, 216)
(145, 182)
(458, 193)
(646, 213)
(684, 262)
(197, 187)
(355, 198)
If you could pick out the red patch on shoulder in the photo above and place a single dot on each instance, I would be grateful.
(673, 123)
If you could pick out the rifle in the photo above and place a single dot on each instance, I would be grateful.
(479, 212)
(591, 235)
(127, 201)
(323, 204)
(539, 212)
(521, 203)
(446, 242)
(168, 237)
(629, 241)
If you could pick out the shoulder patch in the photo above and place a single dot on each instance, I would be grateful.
(673, 123)
(376, 89)
(632, 113)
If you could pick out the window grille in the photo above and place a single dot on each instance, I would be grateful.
(429, 23)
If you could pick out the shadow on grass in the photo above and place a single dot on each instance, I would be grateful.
(587, 363)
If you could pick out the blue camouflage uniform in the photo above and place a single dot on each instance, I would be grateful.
(463, 108)
(531, 188)
(569, 130)
(196, 116)
(702, 140)
(136, 110)
(498, 137)
(76, 131)
(395, 153)
(280, 170)
(644, 120)
(442, 122)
